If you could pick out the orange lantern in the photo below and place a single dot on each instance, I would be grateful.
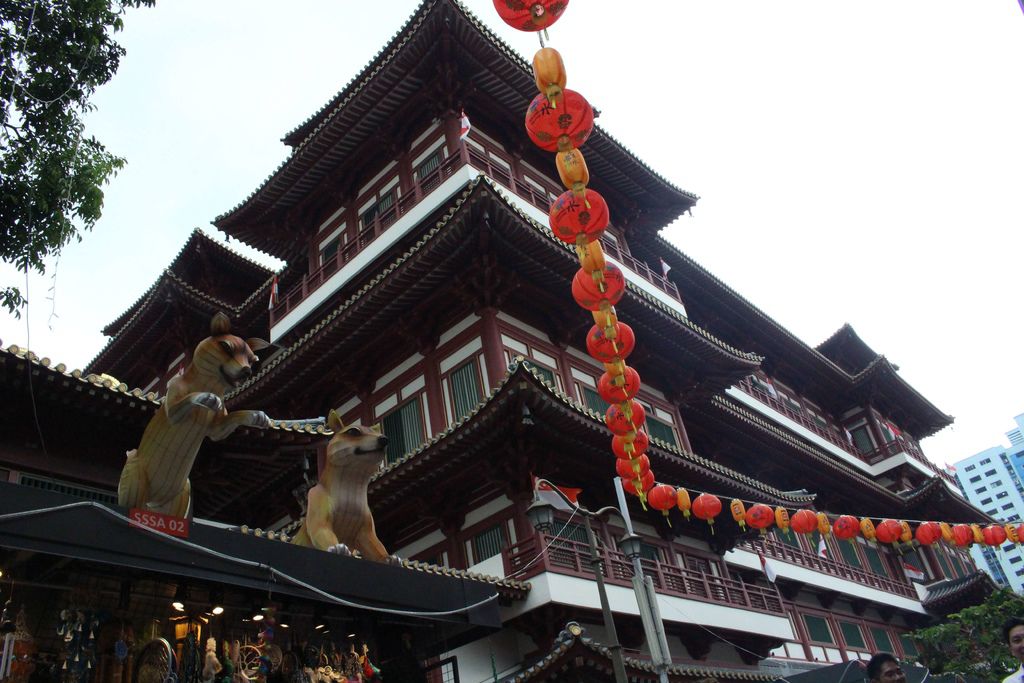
(906, 533)
(867, 529)
(609, 350)
(591, 256)
(888, 531)
(928, 533)
(530, 15)
(993, 534)
(707, 506)
(739, 512)
(575, 220)
(646, 482)
(1020, 533)
(631, 469)
(759, 516)
(561, 129)
(824, 526)
(1011, 533)
(549, 73)
(683, 502)
(947, 532)
(962, 535)
(846, 527)
(619, 422)
(803, 521)
(630, 449)
(976, 533)
(662, 497)
(617, 390)
(573, 172)
(782, 518)
(602, 288)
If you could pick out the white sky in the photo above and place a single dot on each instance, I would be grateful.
(857, 162)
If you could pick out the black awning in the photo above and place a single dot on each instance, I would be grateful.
(60, 525)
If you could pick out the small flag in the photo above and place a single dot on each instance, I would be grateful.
(822, 548)
(912, 572)
(771, 388)
(666, 267)
(951, 469)
(547, 493)
(769, 569)
(849, 436)
(464, 126)
(274, 293)
(893, 429)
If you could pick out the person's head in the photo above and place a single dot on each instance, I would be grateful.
(1013, 634)
(883, 668)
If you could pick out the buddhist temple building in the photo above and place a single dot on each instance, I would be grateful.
(424, 291)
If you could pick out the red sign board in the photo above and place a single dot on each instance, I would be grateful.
(165, 524)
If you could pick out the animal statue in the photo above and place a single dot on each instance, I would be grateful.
(338, 517)
(155, 475)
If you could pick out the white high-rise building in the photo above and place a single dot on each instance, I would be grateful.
(993, 480)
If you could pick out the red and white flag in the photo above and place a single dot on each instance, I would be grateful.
(822, 547)
(547, 493)
(950, 469)
(274, 293)
(464, 126)
(913, 572)
(769, 569)
(664, 268)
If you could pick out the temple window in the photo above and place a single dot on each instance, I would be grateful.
(853, 634)
(883, 643)
(377, 211)
(429, 165)
(489, 543)
(464, 383)
(404, 428)
(861, 436)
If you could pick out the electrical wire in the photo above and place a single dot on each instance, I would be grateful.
(273, 572)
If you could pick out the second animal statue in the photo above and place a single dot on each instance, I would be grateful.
(338, 515)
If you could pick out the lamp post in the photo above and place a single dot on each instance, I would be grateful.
(542, 516)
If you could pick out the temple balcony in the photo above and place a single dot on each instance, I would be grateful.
(429, 193)
(800, 566)
(559, 570)
(820, 432)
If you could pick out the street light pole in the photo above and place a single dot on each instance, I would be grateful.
(595, 563)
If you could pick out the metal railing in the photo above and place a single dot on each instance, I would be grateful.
(573, 559)
(791, 555)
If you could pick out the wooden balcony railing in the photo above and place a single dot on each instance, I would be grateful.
(573, 559)
(421, 189)
(787, 553)
(899, 445)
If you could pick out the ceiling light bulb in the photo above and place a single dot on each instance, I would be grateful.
(180, 606)
(257, 617)
(217, 610)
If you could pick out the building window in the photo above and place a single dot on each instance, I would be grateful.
(985, 461)
(1002, 494)
(818, 629)
(792, 403)
(862, 439)
(975, 479)
(1008, 506)
(404, 429)
(852, 634)
(789, 539)
(882, 641)
(593, 400)
(874, 560)
(571, 531)
(657, 429)
(465, 383)
(547, 374)
(330, 250)
(969, 468)
(650, 552)
(909, 646)
(428, 165)
(849, 553)
(990, 473)
(985, 501)
(1015, 560)
(982, 489)
(489, 543)
(375, 211)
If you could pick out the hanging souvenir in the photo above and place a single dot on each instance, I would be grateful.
(662, 497)
(947, 532)
(824, 526)
(760, 517)
(600, 289)
(962, 535)
(888, 531)
(867, 529)
(803, 521)
(928, 533)
(782, 519)
(530, 15)
(609, 350)
(623, 448)
(631, 469)
(738, 511)
(683, 501)
(906, 533)
(707, 506)
(846, 527)
(562, 128)
(622, 388)
(646, 482)
(619, 422)
(994, 535)
(549, 74)
(576, 220)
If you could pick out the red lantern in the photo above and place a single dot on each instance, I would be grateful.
(571, 217)
(621, 424)
(530, 15)
(888, 531)
(559, 129)
(1020, 533)
(602, 287)
(994, 534)
(613, 392)
(662, 497)
(928, 533)
(803, 521)
(640, 444)
(845, 527)
(962, 535)
(707, 506)
(625, 467)
(646, 482)
(759, 516)
(610, 350)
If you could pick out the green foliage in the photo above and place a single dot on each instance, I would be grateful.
(53, 56)
(970, 642)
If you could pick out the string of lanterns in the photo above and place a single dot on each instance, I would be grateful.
(560, 120)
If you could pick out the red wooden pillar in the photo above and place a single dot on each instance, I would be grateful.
(435, 400)
(494, 354)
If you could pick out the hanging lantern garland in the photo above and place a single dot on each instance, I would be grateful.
(560, 120)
